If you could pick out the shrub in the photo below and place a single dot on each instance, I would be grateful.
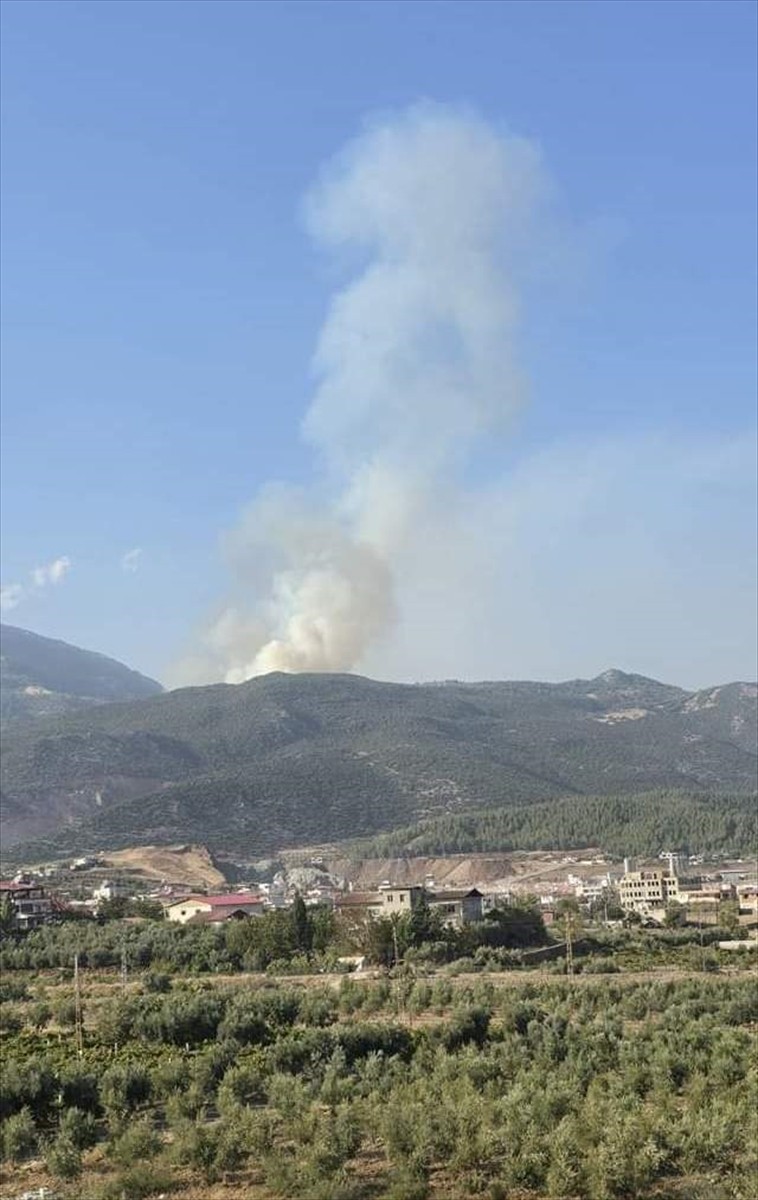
(319, 1008)
(32, 1084)
(359, 1040)
(79, 1090)
(233, 1144)
(139, 1182)
(243, 1085)
(420, 998)
(124, 1088)
(245, 1022)
(19, 1136)
(10, 1022)
(302, 1050)
(156, 983)
(139, 1143)
(210, 1067)
(467, 1025)
(40, 1015)
(409, 1181)
(170, 1077)
(65, 1013)
(78, 1127)
(63, 1158)
(197, 1145)
(13, 989)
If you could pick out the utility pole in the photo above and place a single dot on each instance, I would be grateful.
(124, 972)
(78, 1009)
(569, 945)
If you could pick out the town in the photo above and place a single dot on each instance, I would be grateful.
(676, 889)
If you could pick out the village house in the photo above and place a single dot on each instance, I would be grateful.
(747, 898)
(31, 904)
(215, 909)
(111, 889)
(456, 907)
(592, 891)
(398, 900)
(706, 895)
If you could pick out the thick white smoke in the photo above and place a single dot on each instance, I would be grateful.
(415, 363)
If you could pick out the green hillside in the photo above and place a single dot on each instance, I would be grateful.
(639, 826)
(292, 759)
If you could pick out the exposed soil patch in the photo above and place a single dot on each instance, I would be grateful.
(190, 865)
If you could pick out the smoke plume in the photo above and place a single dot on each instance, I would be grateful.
(415, 364)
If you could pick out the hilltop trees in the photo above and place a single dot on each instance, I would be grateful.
(639, 825)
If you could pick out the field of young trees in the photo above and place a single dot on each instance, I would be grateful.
(178, 1072)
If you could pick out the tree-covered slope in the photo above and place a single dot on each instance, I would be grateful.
(41, 676)
(287, 759)
(641, 825)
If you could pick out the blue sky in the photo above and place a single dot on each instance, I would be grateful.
(162, 300)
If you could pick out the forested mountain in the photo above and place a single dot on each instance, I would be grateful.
(292, 759)
(41, 676)
(640, 825)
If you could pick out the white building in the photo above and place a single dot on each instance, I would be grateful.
(589, 891)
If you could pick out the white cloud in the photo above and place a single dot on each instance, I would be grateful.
(47, 575)
(11, 595)
(51, 573)
(131, 560)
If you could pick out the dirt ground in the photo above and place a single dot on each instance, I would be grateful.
(191, 865)
(491, 870)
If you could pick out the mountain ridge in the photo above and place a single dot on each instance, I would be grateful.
(42, 676)
(291, 759)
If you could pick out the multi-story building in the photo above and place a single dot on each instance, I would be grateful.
(457, 907)
(397, 900)
(644, 891)
(31, 904)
